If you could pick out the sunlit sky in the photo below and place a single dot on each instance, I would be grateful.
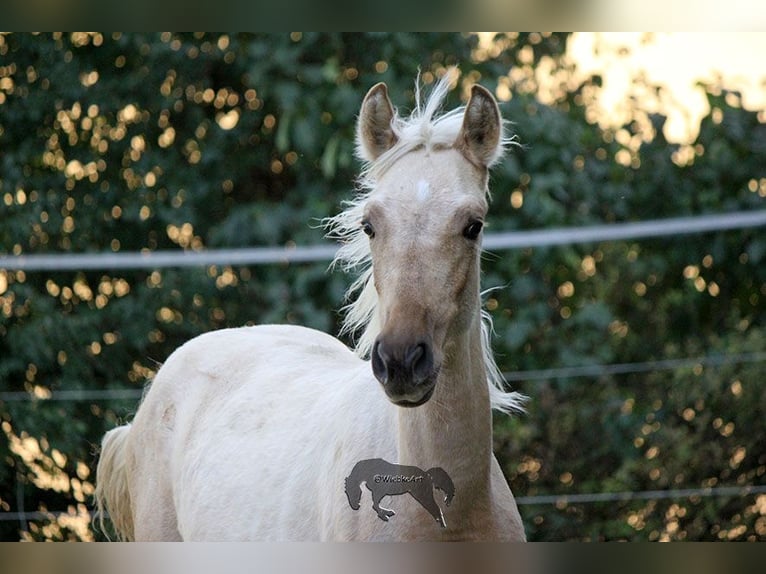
(677, 62)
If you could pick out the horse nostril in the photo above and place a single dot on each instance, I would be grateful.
(419, 361)
(413, 355)
(379, 360)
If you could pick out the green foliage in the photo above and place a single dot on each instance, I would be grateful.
(131, 142)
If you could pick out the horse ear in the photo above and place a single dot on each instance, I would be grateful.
(375, 134)
(479, 138)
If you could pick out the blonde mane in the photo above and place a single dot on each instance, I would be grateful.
(426, 128)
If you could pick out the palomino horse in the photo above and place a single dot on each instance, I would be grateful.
(249, 433)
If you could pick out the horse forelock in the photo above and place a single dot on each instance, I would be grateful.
(426, 128)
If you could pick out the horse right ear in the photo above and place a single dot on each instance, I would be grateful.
(374, 133)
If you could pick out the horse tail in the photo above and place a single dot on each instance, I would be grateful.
(354, 485)
(112, 493)
(443, 482)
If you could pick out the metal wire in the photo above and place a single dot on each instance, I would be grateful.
(295, 254)
(631, 368)
(513, 376)
(629, 496)
(73, 395)
(546, 499)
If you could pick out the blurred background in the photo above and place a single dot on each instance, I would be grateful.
(643, 355)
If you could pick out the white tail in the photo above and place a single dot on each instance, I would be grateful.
(112, 493)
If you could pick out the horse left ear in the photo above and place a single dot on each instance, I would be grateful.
(479, 138)
(375, 133)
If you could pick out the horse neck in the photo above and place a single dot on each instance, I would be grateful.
(453, 430)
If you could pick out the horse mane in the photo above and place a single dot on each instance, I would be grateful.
(426, 128)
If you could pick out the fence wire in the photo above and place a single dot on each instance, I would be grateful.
(595, 371)
(544, 499)
(316, 253)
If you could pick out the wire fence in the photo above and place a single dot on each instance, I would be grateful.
(596, 370)
(316, 253)
(630, 496)
(497, 241)
(559, 500)
(633, 368)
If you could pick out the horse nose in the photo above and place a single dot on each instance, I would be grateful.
(408, 362)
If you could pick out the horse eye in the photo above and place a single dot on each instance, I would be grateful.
(367, 228)
(472, 230)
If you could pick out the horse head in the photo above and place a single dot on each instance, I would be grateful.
(424, 217)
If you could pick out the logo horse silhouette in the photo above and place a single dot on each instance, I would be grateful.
(384, 478)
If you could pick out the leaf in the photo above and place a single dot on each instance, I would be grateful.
(330, 157)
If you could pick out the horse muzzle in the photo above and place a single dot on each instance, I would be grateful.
(406, 370)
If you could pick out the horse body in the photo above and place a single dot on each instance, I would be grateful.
(250, 433)
(231, 442)
(240, 415)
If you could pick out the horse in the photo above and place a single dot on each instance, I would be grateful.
(248, 433)
(383, 478)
